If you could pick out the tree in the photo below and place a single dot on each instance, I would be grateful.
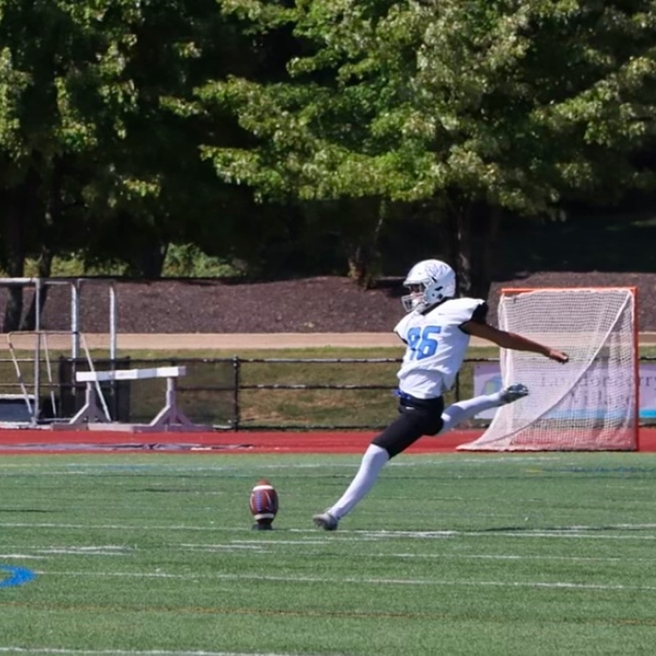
(38, 128)
(469, 109)
(91, 149)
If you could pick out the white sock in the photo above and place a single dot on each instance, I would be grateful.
(372, 462)
(457, 412)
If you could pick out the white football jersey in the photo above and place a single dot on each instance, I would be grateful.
(436, 346)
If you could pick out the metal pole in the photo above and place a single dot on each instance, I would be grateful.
(75, 319)
(37, 354)
(75, 338)
(113, 385)
(112, 322)
(37, 300)
(236, 412)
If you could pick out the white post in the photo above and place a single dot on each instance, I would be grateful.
(37, 356)
(112, 322)
(75, 319)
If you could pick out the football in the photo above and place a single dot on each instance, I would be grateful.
(263, 504)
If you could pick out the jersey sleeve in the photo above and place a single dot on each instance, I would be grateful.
(463, 310)
(401, 328)
(480, 313)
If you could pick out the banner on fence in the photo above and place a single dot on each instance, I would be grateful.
(487, 379)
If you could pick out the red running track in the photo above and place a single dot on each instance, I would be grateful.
(14, 441)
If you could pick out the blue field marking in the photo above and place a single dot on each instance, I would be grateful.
(18, 576)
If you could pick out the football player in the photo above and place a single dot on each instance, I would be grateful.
(436, 331)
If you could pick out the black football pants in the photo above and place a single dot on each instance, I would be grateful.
(417, 417)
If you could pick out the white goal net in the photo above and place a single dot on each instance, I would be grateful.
(590, 403)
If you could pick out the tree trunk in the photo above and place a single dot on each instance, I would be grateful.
(489, 252)
(464, 267)
(148, 262)
(365, 260)
(14, 255)
(447, 226)
(53, 214)
(44, 270)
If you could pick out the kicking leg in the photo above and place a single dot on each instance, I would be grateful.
(457, 412)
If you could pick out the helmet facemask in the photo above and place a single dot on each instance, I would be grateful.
(415, 299)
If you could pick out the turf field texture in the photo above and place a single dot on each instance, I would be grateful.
(153, 554)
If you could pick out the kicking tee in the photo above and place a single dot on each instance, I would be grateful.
(436, 346)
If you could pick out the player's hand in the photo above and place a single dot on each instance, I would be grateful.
(558, 356)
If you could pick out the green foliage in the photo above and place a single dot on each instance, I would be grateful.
(88, 98)
(181, 261)
(189, 261)
(116, 118)
(512, 103)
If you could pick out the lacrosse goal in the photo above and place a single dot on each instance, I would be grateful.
(590, 403)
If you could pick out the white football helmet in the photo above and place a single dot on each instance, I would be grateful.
(429, 282)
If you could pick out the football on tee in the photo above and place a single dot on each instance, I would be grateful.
(263, 504)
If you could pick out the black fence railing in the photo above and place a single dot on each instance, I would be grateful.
(235, 393)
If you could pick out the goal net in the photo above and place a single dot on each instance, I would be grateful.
(590, 403)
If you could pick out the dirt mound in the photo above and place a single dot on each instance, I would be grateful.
(314, 305)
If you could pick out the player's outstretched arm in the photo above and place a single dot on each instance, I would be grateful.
(513, 341)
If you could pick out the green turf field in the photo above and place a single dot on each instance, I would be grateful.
(450, 554)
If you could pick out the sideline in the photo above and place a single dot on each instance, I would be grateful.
(252, 341)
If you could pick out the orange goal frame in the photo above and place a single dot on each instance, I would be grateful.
(509, 291)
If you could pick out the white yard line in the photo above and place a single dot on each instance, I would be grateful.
(125, 652)
(469, 583)
(117, 527)
(568, 559)
(34, 552)
(569, 532)
(409, 555)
